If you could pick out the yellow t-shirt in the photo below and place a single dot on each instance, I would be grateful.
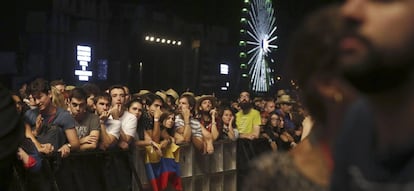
(246, 122)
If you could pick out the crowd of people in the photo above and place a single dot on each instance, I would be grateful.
(63, 119)
(353, 63)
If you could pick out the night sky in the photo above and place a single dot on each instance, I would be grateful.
(226, 13)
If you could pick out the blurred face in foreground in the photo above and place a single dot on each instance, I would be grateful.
(376, 51)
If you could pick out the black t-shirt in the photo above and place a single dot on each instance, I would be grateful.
(358, 167)
(146, 122)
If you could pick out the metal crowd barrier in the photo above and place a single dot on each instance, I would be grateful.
(117, 170)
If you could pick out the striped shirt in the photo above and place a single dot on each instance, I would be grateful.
(194, 124)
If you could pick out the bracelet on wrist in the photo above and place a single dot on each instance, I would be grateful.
(69, 145)
(156, 119)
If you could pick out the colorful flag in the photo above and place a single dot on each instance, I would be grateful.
(163, 170)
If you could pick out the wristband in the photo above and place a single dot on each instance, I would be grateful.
(156, 119)
(30, 162)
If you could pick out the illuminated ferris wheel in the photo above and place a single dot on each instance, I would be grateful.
(258, 41)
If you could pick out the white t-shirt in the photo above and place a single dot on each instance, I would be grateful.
(129, 124)
(113, 127)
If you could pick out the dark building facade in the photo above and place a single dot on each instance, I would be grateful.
(117, 33)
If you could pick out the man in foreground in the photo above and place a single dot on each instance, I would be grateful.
(376, 151)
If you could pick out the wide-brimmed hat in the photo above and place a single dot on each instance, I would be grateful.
(69, 88)
(188, 93)
(162, 95)
(172, 93)
(201, 98)
(205, 97)
(142, 92)
(281, 92)
(284, 99)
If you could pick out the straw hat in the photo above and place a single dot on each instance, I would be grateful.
(162, 95)
(284, 99)
(172, 93)
(188, 93)
(281, 92)
(142, 92)
(201, 98)
(206, 97)
(69, 88)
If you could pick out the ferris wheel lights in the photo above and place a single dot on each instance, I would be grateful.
(179, 43)
(244, 10)
(242, 31)
(243, 20)
(243, 66)
(242, 55)
(242, 43)
(246, 1)
(245, 75)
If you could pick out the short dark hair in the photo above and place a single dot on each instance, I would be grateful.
(77, 93)
(130, 102)
(57, 82)
(91, 89)
(247, 91)
(151, 97)
(102, 95)
(116, 87)
(39, 85)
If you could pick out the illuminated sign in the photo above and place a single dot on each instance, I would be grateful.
(224, 69)
(83, 56)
